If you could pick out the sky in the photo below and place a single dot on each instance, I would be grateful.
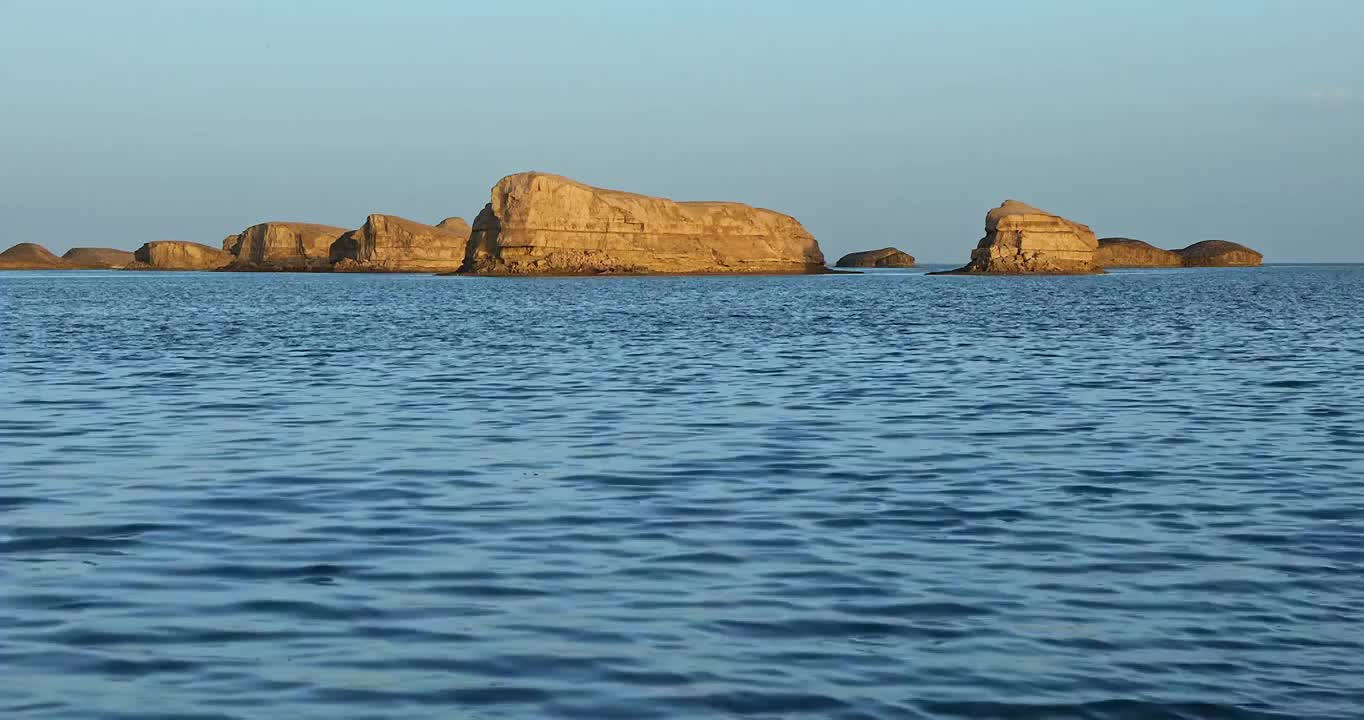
(874, 123)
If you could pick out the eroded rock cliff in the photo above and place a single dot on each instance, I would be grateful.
(1021, 239)
(178, 255)
(387, 243)
(286, 246)
(545, 224)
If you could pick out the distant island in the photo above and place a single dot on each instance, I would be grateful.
(543, 224)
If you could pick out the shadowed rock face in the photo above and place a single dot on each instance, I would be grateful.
(883, 258)
(31, 256)
(178, 255)
(1020, 239)
(232, 243)
(540, 224)
(1129, 253)
(286, 246)
(387, 243)
(98, 258)
(1219, 253)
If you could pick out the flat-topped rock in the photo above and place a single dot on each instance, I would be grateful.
(178, 255)
(1021, 239)
(388, 243)
(884, 258)
(98, 258)
(1129, 253)
(541, 224)
(1219, 253)
(289, 246)
(31, 256)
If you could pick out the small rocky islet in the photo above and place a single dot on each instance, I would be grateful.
(543, 224)
(884, 258)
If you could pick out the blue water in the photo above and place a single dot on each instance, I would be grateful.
(890, 495)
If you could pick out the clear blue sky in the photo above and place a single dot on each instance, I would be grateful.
(874, 123)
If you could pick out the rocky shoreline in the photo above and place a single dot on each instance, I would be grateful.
(539, 224)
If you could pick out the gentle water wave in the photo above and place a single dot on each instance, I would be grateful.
(860, 496)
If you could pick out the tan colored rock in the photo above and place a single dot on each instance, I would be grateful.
(178, 255)
(388, 243)
(541, 224)
(455, 224)
(232, 243)
(31, 256)
(1020, 239)
(286, 246)
(884, 258)
(98, 258)
(1219, 253)
(1129, 253)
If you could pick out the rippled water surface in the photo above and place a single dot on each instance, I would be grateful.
(890, 495)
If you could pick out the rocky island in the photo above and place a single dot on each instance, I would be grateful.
(542, 224)
(31, 256)
(93, 258)
(1129, 253)
(388, 243)
(884, 258)
(284, 246)
(1021, 239)
(178, 255)
(1219, 253)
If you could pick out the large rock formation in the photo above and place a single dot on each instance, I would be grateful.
(98, 258)
(1129, 253)
(1020, 239)
(31, 256)
(547, 224)
(1219, 253)
(883, 258)
(286, 246)
(178, 255)
(387, 243)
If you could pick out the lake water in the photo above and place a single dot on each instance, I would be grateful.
(890, 495)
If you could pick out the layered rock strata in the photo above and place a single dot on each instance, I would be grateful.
(178, 255)
(387, 243)
(541, 224)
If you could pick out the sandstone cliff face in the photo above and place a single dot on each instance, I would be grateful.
(98, 258)
(232, 243)
(387, 243)
(1219, 253)
(547, 224)
(1021, 239)
(178, 255)
(286, 246)
(1129, 253)
(31, 256)
(883, 258)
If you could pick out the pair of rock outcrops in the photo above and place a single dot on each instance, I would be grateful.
(31, 256)
(1021, 239)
